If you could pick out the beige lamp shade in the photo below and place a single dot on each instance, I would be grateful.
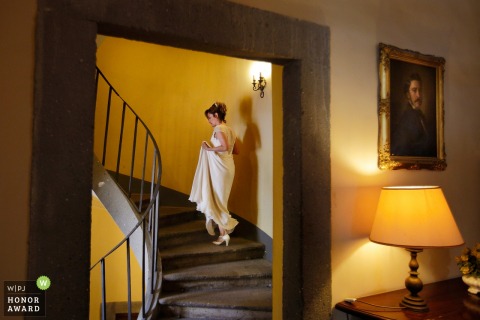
(414, 217)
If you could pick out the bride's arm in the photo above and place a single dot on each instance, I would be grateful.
(223, 143)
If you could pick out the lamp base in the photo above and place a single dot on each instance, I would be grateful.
(414, 285)
(414, 303)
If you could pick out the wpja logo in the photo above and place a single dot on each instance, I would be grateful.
(25, 298)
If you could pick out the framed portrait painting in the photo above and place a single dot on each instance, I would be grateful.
(410, 110)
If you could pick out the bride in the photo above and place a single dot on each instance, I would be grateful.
(214, 175)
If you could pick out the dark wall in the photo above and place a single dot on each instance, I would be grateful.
(63, 132)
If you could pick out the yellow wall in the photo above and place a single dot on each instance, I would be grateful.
(105, 235)
(277, 114)
(170, 88)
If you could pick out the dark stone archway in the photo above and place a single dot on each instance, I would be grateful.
(63, 132)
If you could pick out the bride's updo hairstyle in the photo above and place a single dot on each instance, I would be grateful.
(219, 108)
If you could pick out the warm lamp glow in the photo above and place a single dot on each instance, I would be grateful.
(414, 217)
(257, 67)
(259, 72)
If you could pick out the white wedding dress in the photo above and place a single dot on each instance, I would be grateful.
(213, 182)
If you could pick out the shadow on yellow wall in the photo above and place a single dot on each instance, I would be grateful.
(246, 163)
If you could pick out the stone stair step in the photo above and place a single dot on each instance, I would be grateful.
(205, 281)
(245, 273)
(244, 303)
(207, 253)
(171, 215)
(180, 234)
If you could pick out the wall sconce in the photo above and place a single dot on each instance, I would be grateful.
(414, 218)
(260, 85)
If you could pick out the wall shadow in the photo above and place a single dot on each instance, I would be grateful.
(246, 166)
(246, 180)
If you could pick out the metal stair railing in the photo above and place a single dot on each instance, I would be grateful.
(127, 163)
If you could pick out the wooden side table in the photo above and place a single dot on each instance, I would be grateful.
(447, 300)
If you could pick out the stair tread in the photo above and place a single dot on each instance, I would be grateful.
(182, 228)
(244, 298)
(172, 210)
(236, 269)
(203, 280)
(236, 244)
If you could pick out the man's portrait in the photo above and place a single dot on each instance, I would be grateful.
(413, 110)
(410, 110)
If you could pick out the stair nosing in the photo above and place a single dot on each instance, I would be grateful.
(175, 300)
(199, 273)
(207, 249)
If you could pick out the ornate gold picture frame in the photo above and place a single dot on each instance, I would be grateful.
(410, 110)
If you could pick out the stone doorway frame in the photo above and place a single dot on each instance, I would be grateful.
(63, 132)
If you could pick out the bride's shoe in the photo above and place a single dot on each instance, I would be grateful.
(221, 239)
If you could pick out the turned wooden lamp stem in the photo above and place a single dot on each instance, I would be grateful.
(414, 285)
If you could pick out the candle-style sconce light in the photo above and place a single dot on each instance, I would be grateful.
(260, 85)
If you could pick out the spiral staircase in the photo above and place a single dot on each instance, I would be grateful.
(184, 276)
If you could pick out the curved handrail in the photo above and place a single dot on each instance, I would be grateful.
(148, 219)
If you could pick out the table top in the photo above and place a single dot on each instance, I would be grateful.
(447, 300)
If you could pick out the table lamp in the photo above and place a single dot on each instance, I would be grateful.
(414, 218)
